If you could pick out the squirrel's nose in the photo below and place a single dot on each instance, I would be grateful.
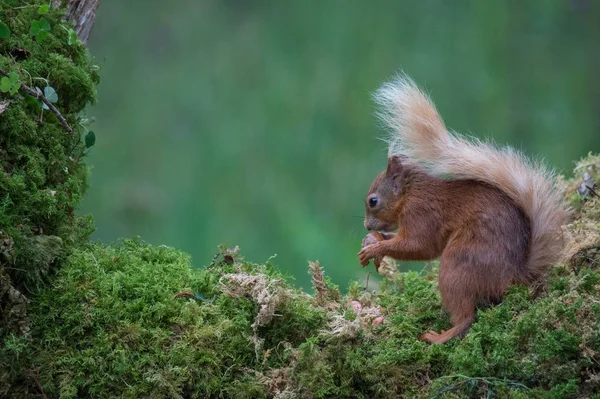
(367, 225)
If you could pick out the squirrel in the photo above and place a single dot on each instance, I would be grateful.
(490, 214)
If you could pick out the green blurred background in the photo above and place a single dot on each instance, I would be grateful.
(250, 123)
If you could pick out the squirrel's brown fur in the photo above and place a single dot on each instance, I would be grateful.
(493, 216)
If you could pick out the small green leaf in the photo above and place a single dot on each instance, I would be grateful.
(39, 29)
(43, 9)
(4, 31)
(9, 2)
(90, 139)
(72, 37)
(44, 25)
(10, 84)
(34, 28)
(50, 94)
(5, 85)
(15, 88)
(41, 35)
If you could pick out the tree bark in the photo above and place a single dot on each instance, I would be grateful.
(82, 14)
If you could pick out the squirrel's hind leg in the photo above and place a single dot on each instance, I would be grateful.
(459, 288)
(462, 311)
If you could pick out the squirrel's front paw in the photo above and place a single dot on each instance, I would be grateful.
(367, 253)
(372, 238)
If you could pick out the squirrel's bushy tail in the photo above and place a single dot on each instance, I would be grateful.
(418, 133)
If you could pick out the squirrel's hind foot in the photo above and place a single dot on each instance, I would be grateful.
(458, 330)
(434, 337)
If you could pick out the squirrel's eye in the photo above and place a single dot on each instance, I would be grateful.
(373, 202)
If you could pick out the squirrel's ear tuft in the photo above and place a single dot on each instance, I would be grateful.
(395, 171)
(394, 166)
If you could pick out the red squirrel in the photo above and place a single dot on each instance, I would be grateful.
(492, 216)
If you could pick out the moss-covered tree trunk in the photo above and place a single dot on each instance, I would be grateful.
(42, 169)
(82, 14)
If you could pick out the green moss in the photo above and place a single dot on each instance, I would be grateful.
(42, 174)
(111, 325)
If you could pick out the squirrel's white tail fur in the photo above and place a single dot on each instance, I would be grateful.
(418, 133)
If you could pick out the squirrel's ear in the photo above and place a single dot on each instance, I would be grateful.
(394, 166)
(394, 172)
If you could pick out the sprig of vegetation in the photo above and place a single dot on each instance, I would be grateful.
(12, 84)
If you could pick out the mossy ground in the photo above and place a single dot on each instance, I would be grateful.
(111, 325)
